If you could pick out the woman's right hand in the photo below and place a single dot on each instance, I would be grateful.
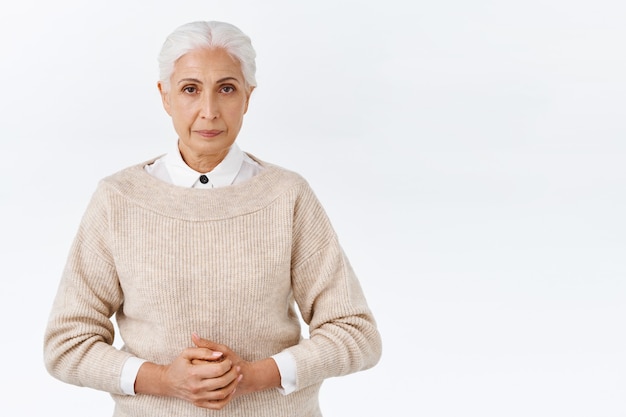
(198, 375)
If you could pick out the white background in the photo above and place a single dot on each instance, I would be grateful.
(471, 155)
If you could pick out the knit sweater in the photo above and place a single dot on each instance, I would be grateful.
(229, 263)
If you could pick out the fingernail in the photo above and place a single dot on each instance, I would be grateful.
(216, 354)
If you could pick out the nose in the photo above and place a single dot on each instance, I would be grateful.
(210, 106)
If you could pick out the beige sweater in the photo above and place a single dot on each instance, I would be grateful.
(227, 263)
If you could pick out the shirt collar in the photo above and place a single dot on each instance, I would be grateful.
(222, 175)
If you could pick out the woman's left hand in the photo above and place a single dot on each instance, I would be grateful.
(257, 376)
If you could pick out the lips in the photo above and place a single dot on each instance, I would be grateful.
(208, 133)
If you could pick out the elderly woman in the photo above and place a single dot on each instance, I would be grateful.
(202, 255)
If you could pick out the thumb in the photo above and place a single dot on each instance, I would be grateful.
(204, 343)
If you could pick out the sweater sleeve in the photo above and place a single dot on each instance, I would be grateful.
(79, 335)
(343, 334)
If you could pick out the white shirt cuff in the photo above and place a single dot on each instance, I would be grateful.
(129, 374)
(287, 367)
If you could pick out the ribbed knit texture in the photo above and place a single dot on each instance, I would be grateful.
(227, 263)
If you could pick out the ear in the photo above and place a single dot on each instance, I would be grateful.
(165, 97)
(250, 90)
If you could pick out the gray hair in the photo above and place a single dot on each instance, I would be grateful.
(212, 34)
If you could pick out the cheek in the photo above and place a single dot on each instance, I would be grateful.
(236, 112)
(236, 120)
(182, 115)
(182, 124)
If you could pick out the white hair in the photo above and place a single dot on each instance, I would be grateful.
(212, 34)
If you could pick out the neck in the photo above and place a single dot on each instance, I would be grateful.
(202, 162)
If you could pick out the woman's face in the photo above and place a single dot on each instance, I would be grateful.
(206, 100)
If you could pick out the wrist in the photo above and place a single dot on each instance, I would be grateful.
(150, 379)
(258, 376)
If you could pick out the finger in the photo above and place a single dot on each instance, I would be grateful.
(203, 354)
(217, 399)
(219, 387)
(212, 370)
(200, 361)
(204, 343)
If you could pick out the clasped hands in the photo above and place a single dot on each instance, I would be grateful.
(209, 375)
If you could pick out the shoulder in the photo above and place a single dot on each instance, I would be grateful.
(127, 180)
(131, 173)
(281, 177)
(294, 187)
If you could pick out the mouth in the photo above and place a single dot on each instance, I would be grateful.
(208, 133)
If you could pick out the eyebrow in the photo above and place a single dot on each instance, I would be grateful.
(197, 81)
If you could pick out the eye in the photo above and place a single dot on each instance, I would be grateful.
(190, 89)
(227, 89)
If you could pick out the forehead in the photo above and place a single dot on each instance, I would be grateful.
(207, 62)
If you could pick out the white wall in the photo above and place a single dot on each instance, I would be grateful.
(471, 155)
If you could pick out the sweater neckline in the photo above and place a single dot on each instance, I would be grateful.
(140, 188)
